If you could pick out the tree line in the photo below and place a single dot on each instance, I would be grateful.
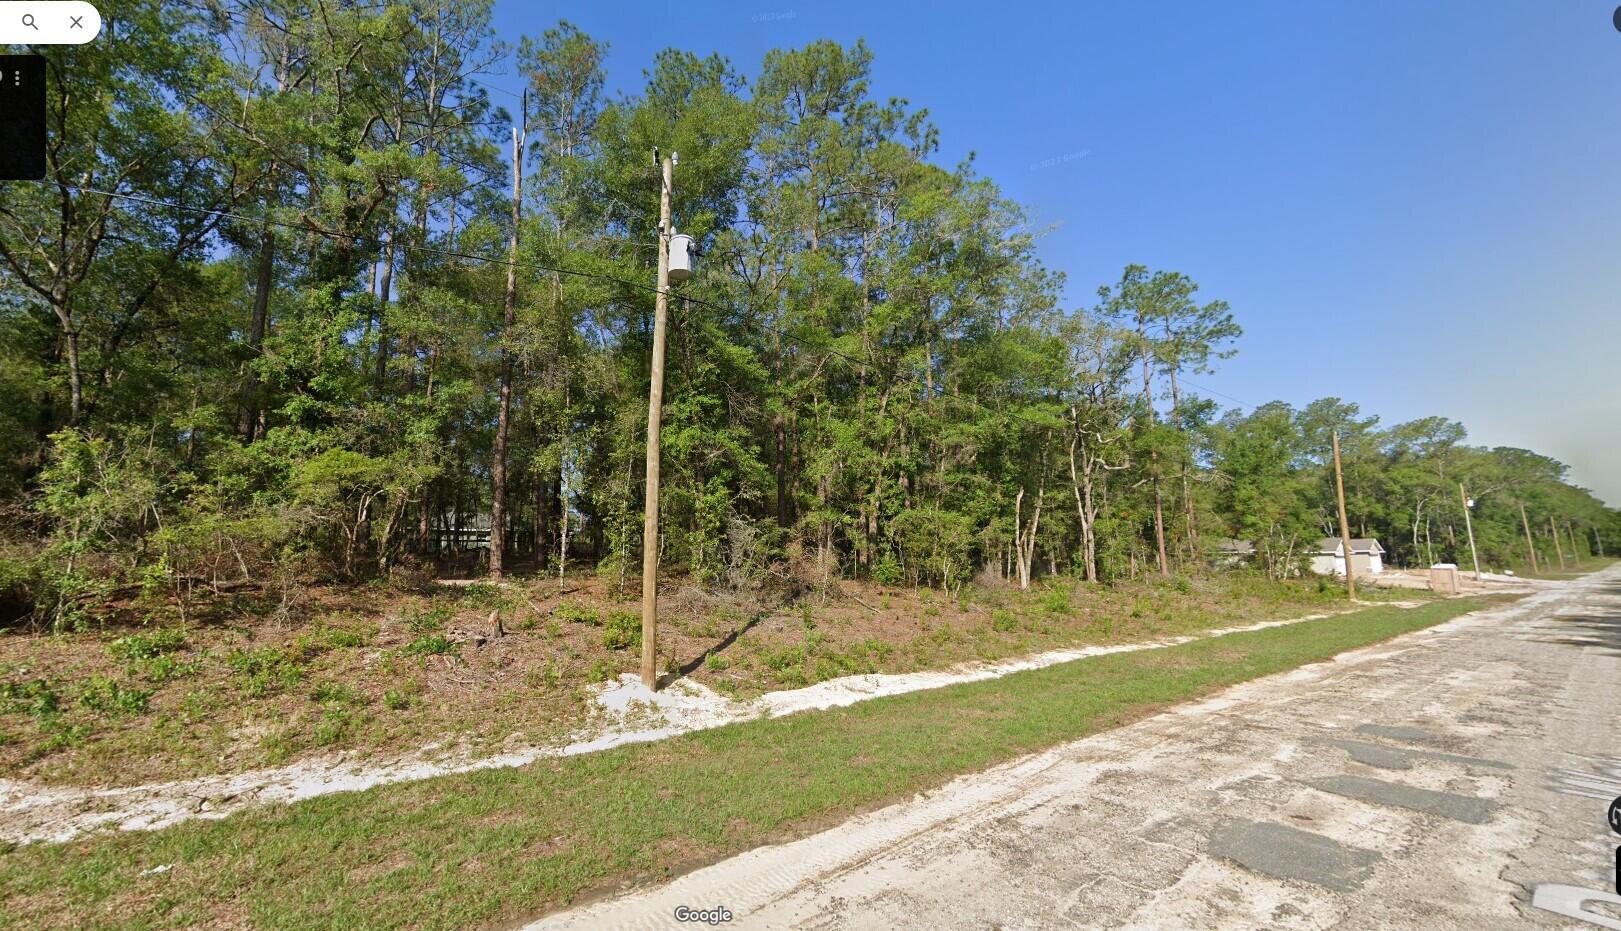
(288, 304)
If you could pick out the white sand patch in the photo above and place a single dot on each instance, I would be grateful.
(626, 712)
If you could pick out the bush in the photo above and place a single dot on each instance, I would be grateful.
(1004, 622)
(484, 596)
(887, 572)
(38, 699)
(262, 671)
(395, 700)
(577, 614)
(428, 620)
(137, 647)
(934, 544)
(432, 644)
(624, 631)
(161, 669)
(1055, 600)
(110, 697)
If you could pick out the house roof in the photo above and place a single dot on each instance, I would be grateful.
(1236, 547)
(1359, 545)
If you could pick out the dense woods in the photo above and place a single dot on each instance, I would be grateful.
(276, 314)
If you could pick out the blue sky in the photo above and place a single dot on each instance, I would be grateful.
(1413, 206)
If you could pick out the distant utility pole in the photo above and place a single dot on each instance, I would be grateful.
(1530, 548)
(655, 406)
(1598, 543)
(1345, 525)
(1469, 525)
(1575, 557)
(1558, 550)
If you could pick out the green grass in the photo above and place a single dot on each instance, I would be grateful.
(496, 845)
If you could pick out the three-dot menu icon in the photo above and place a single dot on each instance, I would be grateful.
(22, 117)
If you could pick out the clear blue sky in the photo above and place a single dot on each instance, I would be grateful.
(1415, 206)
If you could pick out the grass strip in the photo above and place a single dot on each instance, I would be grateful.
(492, 846)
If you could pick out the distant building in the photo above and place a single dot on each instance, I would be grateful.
(1367, 557)
(1231, 554)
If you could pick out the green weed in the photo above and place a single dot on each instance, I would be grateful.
(107, 696)
(623, 630)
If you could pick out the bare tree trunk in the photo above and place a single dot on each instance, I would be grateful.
(1084, 512)
(385, 285)
(1187, 490)
(258, 326)
(1025, 547)
(1159, 523)
(503, 418)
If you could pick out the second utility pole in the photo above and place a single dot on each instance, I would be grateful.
(1530, 548)
(1469, 525)
(655, 406)
(1558, 550)
(1345, 526)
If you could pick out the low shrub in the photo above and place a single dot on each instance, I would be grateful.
(623, 631)
(262, 671)
(137, 647)
(432, 644)
(107, 696)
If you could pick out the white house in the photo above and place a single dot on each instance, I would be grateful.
(1367, 557)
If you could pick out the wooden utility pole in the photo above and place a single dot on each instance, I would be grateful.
(1598, 543)
(655, 406)
(1558, 550)
(1345, 525)
(1530, 548)
(503, 417)
(1469, 525)
(1575, 556)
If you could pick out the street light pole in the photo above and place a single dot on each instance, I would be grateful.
(655, 406)
(1469, 525)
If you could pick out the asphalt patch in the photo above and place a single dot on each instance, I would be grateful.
(1401, 732)
(1283, 852)
(1445, 804)
(1402, 757)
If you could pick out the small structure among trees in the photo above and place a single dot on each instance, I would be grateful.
(1367, 556)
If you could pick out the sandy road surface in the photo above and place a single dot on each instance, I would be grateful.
(1435, 781)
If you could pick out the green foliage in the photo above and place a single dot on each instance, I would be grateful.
(37, 698)
(429, 645)
(577, 614)
(622, 631)
(395, 700)
(934, 544)
(428, 620)
(1004, 621)
(484, 597)
(1055, 599)
(134, 648)
(108, 696)
(336, 693)
(879, 381)
(262, 671)
(887, 571)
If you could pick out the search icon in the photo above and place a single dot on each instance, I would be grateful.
(48, 22)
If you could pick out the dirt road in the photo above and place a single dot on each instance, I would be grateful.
(1435, 781)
